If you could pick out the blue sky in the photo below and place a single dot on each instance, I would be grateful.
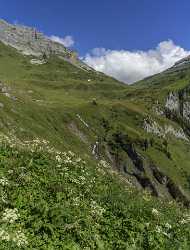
(116, 25)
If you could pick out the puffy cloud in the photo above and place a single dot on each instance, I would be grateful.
(67, 41)
(131, 66)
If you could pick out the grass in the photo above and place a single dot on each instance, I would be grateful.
(56, 200)
(109, 212)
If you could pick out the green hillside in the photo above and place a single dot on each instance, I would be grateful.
(127, 184)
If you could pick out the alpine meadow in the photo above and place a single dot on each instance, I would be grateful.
(86, 161)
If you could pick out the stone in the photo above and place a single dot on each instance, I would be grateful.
(172, 102)
(29, 41)
(151, 126)
(37, 61)
(186, 110)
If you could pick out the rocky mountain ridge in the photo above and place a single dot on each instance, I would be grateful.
(31, 42)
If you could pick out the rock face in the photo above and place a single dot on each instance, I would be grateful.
(172, 102)
(143, 171)
(29, 41)
(37, 62)
(182, 63)
(186, 110)
(151, 126)
(178, 104)
(174, 190)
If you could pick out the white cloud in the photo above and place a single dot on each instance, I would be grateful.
(67, 41)
(131, 66)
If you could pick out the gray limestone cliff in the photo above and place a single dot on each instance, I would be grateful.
(31, 42)
(178, 103)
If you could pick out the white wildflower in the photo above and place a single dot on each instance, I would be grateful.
(10, 215)
(96, 209)
(68, 160)
(4, 235)
(155, 212)
(76, 201)
(168, 226)
(4, 181)
(71, 153)
(20, 239)
(58, 158)
(78, 160)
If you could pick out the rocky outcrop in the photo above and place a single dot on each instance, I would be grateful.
(31, 42)
(174, 190)
(173, 102)
(142, 171)
(186, 110)
(37, 61)
(135, 157)
(182, 63)
(178, 104)
(179, 108)
(146, 183)
(151, 126)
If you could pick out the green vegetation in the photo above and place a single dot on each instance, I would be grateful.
(56, 200)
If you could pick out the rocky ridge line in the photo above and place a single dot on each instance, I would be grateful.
(31, 42)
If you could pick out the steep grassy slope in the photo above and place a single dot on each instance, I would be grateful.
(98, 118)
(72, 107)
(56, 200)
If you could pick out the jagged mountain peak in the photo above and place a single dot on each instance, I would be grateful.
(29, 41)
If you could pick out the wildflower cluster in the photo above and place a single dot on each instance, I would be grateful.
(4, 235)
(68, 158)
(96, 209)
(73, 168)
(30, 145)
(59, 190)
(155, 212)
(18, 237)
(4, 182)
(10, 215)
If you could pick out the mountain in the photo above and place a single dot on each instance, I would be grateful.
(88, 162)
(29, 41)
